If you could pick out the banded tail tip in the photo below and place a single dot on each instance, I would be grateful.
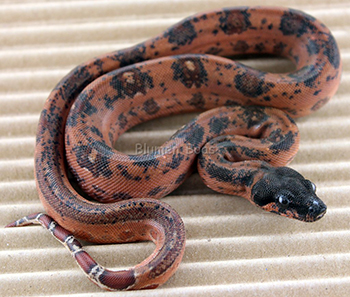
(25, 221)
(13, 224)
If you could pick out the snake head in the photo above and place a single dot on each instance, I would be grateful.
(286, 192)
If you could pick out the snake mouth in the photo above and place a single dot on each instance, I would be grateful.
(305, 218)
(310, 217)
(321, 215)
(316, 211)
(316, 218)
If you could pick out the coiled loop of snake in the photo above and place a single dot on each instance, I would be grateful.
(104, 97)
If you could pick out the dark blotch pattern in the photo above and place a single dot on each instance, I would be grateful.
(197, 100)
(175, 161)
(234, 22)
(241, 46)
(150, 106)
(129, 83)
(156, 191)
(251, 83)
(88, 158)
(253, 116)
(234, 176)
(282, 142)
(294, 23)
(313, 74)
(180, 178)
(122, 121)
(217, 125)
(190, 72)
(241, 151)
(128, 57)
(181, 35)
(332, 52)
(145, 161)
(196, 138)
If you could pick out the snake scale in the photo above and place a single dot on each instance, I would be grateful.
(240, 144)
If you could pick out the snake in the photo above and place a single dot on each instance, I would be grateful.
(240, 143)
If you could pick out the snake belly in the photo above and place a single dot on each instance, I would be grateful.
(240, 144)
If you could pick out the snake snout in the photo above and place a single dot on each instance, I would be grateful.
(317, 210)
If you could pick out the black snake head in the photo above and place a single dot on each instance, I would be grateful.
(284, 191)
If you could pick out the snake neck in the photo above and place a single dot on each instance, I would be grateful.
(229, 177)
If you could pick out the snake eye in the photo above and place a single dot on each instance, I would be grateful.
(282, 200)
(310, 185)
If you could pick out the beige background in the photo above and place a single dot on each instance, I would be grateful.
(232, 247)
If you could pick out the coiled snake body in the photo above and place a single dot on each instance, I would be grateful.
(242, 142)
